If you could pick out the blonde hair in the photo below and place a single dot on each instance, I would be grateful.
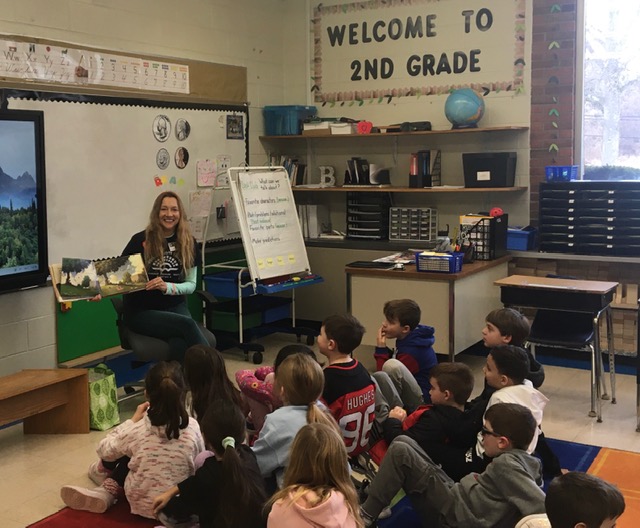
(302, 380)
(155, 239)
(318, 462)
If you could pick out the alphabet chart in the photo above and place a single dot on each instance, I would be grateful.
(48, 63)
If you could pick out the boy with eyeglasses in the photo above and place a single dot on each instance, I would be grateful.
(508, 490)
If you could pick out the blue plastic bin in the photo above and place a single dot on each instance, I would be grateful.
(521, 239)
(440, 263)
(286, 120)
(225, 284)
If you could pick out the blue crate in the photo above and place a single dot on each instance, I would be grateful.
(225, 284)
(521, 239)
(439, 262)
(286, 120)
(555, 173)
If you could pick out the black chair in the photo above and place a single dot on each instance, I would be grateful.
(577, 331)
(146, 348)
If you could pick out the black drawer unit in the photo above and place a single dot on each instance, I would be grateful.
(590, 217)
(368, 215)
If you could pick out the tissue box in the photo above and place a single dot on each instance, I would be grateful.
(344, 128)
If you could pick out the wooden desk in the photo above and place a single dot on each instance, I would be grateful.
(455, 304)
(593, 297)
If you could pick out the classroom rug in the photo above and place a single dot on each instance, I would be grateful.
(118, 516)
(621, 468)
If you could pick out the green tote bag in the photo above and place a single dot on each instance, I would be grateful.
(103, 412)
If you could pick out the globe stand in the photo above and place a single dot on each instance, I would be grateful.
(458, 127)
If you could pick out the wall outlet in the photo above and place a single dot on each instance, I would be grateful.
(223, 162)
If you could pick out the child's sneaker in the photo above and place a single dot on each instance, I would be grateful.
(97, 500)
(97, 473)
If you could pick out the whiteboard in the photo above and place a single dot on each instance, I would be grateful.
(271, 234)
(102, 174)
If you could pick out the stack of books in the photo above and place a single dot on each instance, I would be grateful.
(296, 169)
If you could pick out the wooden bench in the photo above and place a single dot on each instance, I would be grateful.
(48, 400)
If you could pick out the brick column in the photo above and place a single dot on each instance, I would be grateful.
(553, 90)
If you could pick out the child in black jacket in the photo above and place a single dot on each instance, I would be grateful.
(445, 430)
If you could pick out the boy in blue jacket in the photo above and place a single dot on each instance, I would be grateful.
(409, 367)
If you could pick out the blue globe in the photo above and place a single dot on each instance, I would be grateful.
(464, 108)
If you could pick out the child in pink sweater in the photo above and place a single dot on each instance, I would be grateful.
(317, 490)
(256, 386)
(147, 454)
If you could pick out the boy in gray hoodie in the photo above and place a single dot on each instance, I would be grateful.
(508, 490)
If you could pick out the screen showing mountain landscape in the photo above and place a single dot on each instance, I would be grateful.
(19, 235)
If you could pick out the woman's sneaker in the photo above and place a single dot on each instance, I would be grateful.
(97, 473)
(97, 500)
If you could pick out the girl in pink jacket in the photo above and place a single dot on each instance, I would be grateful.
(317, 490)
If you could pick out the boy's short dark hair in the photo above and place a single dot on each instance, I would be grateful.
(510, 322)
(405, 311)
(514, 421)
(511, 361)
(289, 350)
(576, 497)
(345, 330)
(457, 378)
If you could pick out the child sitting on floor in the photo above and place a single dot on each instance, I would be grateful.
(506, 326)
(256, 385)
(317, 488)
(508, 490)
(206, 376)
(349, 391)
(580, 500)
(444, 430)
(148, 453)
(410, 365)
(228, 490)
(505, 370)
(298, 383)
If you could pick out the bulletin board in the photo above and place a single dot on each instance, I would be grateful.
(108, 158)
(271, 234)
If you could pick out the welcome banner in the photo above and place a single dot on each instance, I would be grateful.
(394, 48)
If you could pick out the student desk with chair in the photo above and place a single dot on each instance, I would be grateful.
(455, 304)
(569, 296)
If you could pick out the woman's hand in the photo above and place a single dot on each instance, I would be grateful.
(141, 410)
(157, 284)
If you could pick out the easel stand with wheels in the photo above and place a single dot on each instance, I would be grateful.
(242, 295)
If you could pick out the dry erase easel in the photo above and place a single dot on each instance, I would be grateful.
(275, 255)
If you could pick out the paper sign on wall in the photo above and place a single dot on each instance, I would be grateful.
(206, 173)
